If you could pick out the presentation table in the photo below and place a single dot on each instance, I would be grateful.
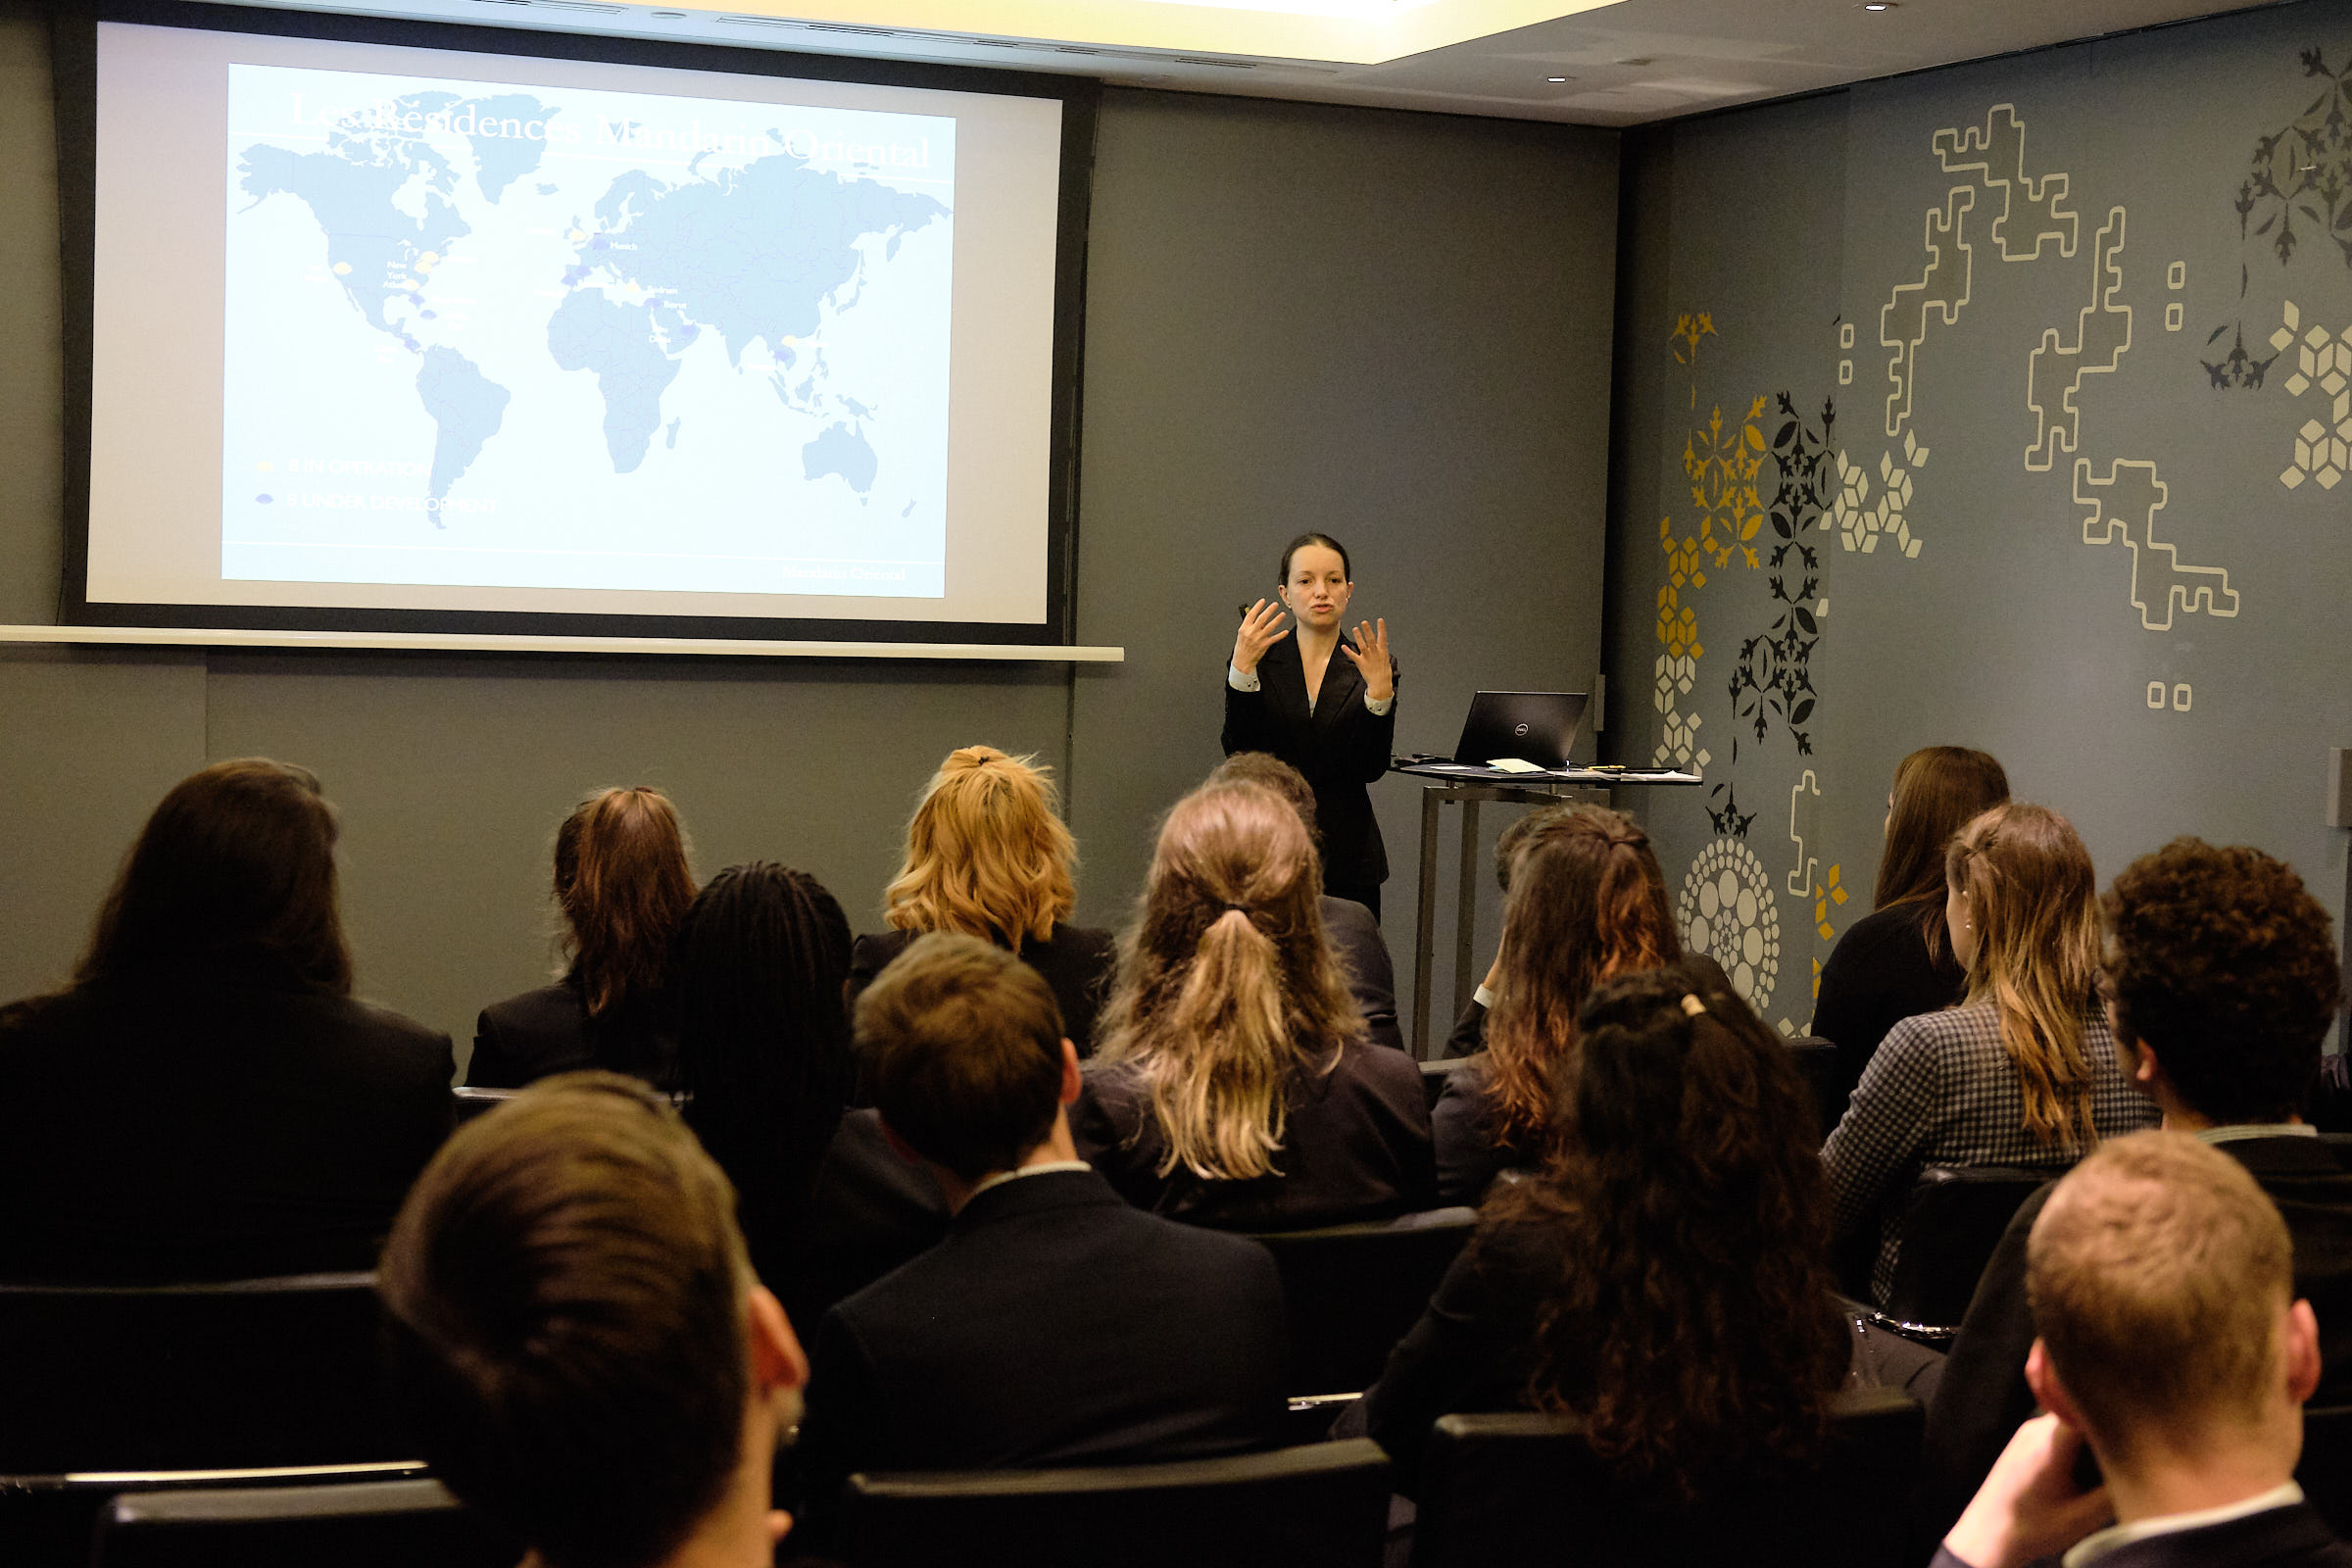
(1469, 786)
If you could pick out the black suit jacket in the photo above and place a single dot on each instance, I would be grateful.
(1055, 1325)
(1075, 960)
(1341, 746)
(1982, 1398)
(1355, 1145)
(2294, 1536)
(208, 1122)
(872, 1211)
(548, 1031)
(1354, 934)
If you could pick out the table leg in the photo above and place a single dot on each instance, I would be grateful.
(1425, 926)
(1465, 918)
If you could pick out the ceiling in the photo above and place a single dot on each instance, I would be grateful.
(1623, 62)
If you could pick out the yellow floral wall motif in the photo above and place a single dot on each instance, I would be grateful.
(1682, 555)
(1687, 330)
(1678, 626)
(1723, 466)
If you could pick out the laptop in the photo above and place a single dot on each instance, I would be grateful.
(1536, 727)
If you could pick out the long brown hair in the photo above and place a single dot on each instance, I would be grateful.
(236, 863)
(1937, 789)
(1691, 1322)
(986, 853)
(2033, 900)
(1226, 985)
(623, 884)
(1587, 902)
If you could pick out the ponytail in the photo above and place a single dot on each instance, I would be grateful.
(1224, 1115)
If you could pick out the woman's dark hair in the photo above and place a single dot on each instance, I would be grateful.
(1937, 790)
(1692, 1323)
(763, 1042)
(1281, 573)
(623, 885)
(237, 864)
(1587, 902)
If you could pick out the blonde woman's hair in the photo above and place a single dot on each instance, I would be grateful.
(2033, 900)
(986, 853)
(1226, 987)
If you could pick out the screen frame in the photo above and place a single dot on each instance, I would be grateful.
(74, 58)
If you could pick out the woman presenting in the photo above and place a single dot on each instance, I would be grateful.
(1331, 720)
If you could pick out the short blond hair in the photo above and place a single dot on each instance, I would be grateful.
(2157, 1274)
(986, 853)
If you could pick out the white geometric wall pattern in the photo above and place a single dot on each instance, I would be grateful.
(2122, 510)
(1727, 911)
(2032, 211)
(2055, 370)
(2323, 364)
(1942, 288)
(1862, 522)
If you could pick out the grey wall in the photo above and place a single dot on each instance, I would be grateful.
(1396, 326)
(1787, 227)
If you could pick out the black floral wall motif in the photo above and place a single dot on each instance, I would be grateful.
(1729, 822)
(1773, 675)
(2300, 172)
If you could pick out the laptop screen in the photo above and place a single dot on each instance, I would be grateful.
(1538, 727)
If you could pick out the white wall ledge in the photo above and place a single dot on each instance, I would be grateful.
(510, 643)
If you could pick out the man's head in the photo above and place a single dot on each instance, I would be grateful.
(2162, 1284)
(963, 1049)
(2224, 974)
(574, 1329)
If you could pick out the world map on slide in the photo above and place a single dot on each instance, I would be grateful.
(554, 337)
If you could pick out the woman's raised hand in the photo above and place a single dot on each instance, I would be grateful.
(1262, 630)
(1368, 647)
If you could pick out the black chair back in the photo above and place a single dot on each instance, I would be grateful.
(1954, 1220)
(177, 1377)
(1501, 1490)
(378, 1524)
(1323, 1506)
(2325, 1470)
(1817, 1063)
(1352, 1292)
(467, 1102)
(1436, 1075)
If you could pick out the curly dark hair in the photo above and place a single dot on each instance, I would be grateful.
(2223, 963)
(1693, 1324)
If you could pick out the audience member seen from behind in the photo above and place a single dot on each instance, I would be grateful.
(622, 883)
(1055, 1324)
(2222, 977)
(1469, 1035)
(1237, 1088)
(763, 1045)
(1352, 930)
(576, 1338)
(207, 1099)
(2172, 1347)
(1897, 960)
(1587, 902)
(989, 855)
(1663, 1277)
(2024, 1071)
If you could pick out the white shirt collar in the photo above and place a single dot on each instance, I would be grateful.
(2239, 1131)
(2092, 1546)
(1050, 1167)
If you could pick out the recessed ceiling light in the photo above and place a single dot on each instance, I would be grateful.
(1879, 5)
(1555, 79)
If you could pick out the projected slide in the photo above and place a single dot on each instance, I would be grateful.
(553, 337)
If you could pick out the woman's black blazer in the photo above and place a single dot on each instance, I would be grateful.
(1340, 744)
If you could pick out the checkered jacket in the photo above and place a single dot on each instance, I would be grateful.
(1940, 1092)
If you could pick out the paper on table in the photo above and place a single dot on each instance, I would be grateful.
(1512, 764)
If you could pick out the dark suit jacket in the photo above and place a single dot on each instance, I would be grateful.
(2294, 1537)
(1469, 1158)
(1982, 1398)
(1878, 975)
(1053, 1326)
(1354, 934)
(1075, 960)
(1341, 746)
(1355, 1145)
(872, 1211)
(210, 1121)
(548, 1031)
